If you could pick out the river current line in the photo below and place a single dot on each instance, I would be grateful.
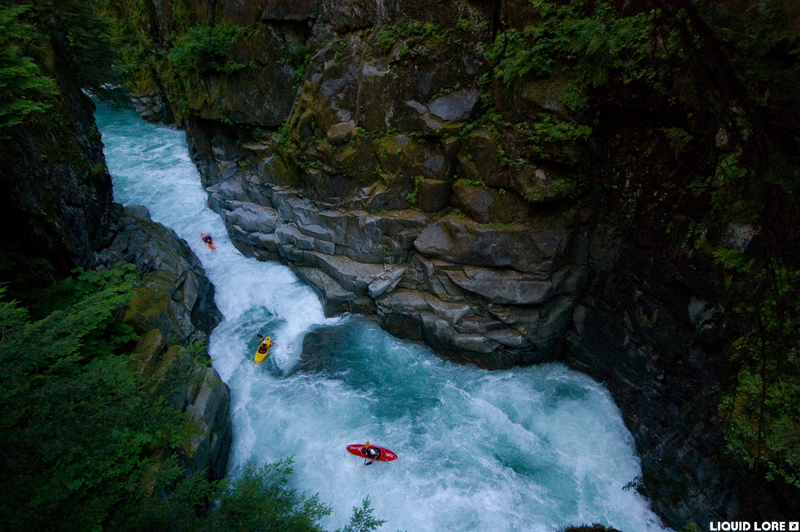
(534, 448)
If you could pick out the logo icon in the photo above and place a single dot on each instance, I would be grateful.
(794, 525)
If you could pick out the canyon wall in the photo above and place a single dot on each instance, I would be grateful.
(58, 206)
(368, 145)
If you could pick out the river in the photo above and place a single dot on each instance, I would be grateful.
(535, 448)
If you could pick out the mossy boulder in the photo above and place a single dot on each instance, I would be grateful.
(519, 103)
(488, 205)
(525, 248)
(433, 195)
(173, 294)
(401, 154)
(540, 185)
(480, 159)
(356, 159)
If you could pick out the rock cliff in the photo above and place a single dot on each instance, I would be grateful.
(58, 205)
(398, 178)
(174, 306)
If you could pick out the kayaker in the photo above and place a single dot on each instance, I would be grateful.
(371, 453)
(264, 345)
(207, 240)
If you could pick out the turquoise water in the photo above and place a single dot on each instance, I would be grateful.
(524, 449)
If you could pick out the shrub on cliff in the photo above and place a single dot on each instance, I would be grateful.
(78, 424)
(39, 39)
(24, 89)
(257, 501)
(89, 441)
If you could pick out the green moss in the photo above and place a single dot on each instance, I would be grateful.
(150, 300)
(411, 197)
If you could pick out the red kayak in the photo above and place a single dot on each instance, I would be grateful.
(207, 240)
(386, 454)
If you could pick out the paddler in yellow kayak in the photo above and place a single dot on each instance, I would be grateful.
(263, 349)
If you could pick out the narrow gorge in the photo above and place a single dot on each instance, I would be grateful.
(393, 157)
(528, 189)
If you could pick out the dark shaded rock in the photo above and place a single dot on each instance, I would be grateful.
(433, 195)
(341, 132)
(173, 305)
(295, 10)
(137, 211)
(457, 239)
(57, 197)
(480, 159)
(540, 185)
(487, 205)
(400, 154)
(738, 236)
(336, 300)
(532, 98)
(456, 106)
(153, 106)
(514, 288)
(174, 294)
(208, 406)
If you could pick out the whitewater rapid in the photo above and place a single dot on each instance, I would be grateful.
(534, 448)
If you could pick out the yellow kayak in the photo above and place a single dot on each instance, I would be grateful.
(261, 355)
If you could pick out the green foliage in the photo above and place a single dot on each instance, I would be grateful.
(547, 129)
(763, 405)
(362, 519)
(206, 49)
(411, 197)
(490, 118)
(24, 89)
(499, 226)
(725, 185)
(678, 138)
(339, 48)
(593, 40)
(296, 54)
(81, 38)
(407, 30)
(76, 421)
(387, 37)
(38, 38)
(475, 182)
(691, 527)
(259, 500)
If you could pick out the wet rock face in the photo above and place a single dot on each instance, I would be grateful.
(173, 306)
(153, 106)
(377, 148)
(654, 346)
(57, 191)
(173, 295)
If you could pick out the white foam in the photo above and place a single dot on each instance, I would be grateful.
(524, 449)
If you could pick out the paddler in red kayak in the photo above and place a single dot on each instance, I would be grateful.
(371, 453)
(207, 239)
